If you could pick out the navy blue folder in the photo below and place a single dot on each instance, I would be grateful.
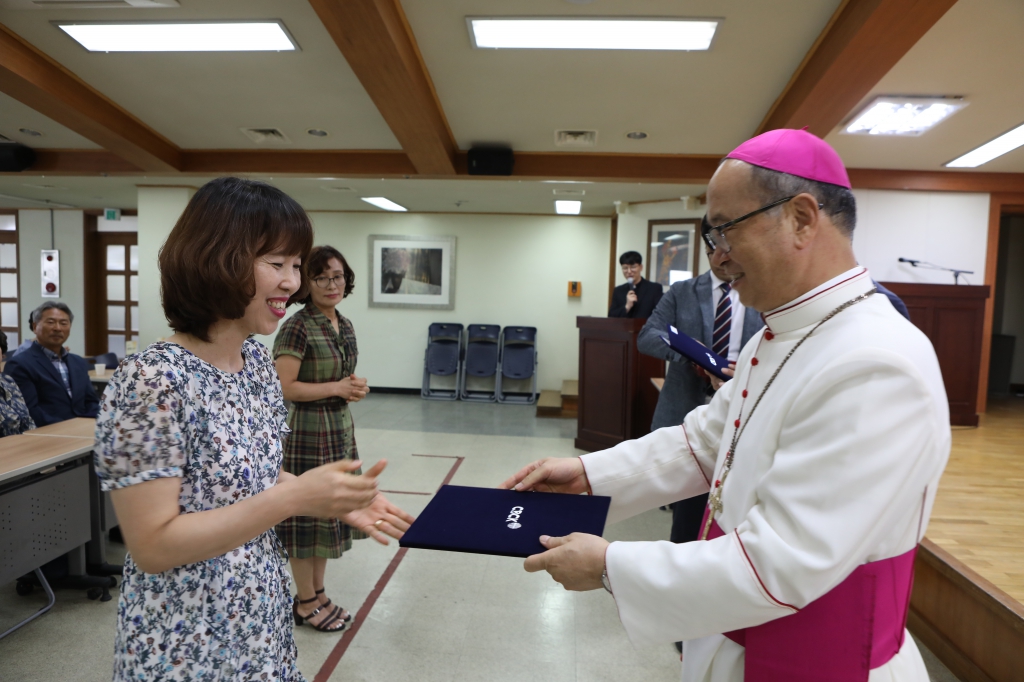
(698, 352)
(502, 522)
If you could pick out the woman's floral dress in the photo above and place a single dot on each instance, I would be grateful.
(166, 413)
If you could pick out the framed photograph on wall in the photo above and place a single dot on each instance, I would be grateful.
(673, 254)
(412, 272)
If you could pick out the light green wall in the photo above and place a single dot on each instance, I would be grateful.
(159, 210)
(68, 238)
(510, 270)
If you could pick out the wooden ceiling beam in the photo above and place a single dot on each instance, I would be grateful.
(668, 168)
(34, 79)
(861, 43)
(375, 38)
(342, 163)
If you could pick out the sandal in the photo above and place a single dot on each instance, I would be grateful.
(324, 625)
(348, 615)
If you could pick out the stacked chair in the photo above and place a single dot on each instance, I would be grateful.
(443, 359)
(519, 363)
(482, 346)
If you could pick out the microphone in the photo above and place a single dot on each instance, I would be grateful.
(629, 281)
(911, 261)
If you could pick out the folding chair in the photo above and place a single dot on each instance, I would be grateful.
(481, 361)
(442, 359)
(518, 363)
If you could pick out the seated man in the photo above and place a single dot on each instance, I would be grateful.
(54, 382)
(14, 416)
(637, 297)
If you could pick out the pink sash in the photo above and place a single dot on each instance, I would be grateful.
(839, 637)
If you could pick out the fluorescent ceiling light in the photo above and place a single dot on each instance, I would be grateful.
(234, 36)
(907, 116)
(565, 207)
(1003, 144)
(592, 33)
(386, 204)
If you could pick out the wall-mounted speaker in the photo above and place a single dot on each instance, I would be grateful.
(490, 161)
(15, 157)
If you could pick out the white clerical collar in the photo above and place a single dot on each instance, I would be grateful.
(818, 302)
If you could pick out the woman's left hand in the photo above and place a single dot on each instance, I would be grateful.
(380, 519)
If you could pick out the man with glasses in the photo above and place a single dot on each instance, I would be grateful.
(54, 381)
(822, 455)
(638, 296)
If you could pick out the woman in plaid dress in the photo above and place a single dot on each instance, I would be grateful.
(315, 353)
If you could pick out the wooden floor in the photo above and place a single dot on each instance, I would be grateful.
(979, 511)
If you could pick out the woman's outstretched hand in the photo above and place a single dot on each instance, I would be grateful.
(330, 491)
(380, 520)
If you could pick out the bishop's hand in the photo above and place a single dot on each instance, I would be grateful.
(551, 475)
(576, 561)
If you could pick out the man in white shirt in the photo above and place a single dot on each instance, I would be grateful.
(822, 455)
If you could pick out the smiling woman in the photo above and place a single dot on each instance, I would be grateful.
(189, 440)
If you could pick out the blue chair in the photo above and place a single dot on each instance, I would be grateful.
(443, 358)
(109, 359)
(518, 363)
(481, 361)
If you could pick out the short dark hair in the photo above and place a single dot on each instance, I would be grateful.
(35, 315)
(839, 204)
(316, 263)
(631, 258)
(3, 343)
(207, 263)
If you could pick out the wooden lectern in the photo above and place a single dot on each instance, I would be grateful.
(952, 317)
(617, 398)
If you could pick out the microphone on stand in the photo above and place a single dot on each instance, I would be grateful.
(932, 266)
(908, 260)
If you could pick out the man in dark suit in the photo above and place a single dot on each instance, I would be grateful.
(706, 309)
(637, 297)
(54, 382)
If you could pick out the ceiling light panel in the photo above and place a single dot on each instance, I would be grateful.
(566, 207)
(264, 36)
(591, 33)
(903, 116)
(1003, 144)
(382, 202)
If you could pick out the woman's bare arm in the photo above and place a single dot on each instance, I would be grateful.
(350, 388)
(160, 537)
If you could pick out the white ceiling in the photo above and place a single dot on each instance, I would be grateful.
(975, 50)
(200, 100)
(688, 103)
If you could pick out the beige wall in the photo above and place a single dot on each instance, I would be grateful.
(68, 238)
(159, 209)
(510, 270)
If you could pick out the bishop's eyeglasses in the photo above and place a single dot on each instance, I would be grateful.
(714, 237)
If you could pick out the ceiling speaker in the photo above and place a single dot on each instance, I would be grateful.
(490, 161)
(15, 157)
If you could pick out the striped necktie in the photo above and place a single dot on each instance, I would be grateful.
(723, 323)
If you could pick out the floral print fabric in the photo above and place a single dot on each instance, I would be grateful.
(166, 413)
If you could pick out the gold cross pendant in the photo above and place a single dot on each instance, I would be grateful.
(714, 507)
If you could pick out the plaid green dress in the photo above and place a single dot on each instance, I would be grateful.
(322, 430)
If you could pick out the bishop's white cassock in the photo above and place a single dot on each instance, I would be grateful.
(838, 467)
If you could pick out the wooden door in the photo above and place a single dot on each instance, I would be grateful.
(10, 309)
(112, 290)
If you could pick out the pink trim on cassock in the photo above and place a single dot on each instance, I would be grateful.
(854, 628)
(694, 455)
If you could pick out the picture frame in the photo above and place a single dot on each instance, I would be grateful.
(673, 250)
(412, 272)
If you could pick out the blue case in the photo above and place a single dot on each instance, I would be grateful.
(502, 522)
(697, 352)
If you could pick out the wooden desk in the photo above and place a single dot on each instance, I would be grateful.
(23, 455)
(80, 427)
(100, 379)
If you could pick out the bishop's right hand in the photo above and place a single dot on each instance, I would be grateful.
(551, 475)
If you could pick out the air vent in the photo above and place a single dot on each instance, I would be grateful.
(575, 138)
(569, 192)
(266, 135)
